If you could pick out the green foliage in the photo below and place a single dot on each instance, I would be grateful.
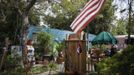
(131, 26)
(120, 27)
(34, 17)
(130, 18)
(38, 69)
(12, 66)
(60, 47)
(67, 10)
(44, 39)
(104, 19)
(8, 21)
(52, 66)
(11, 20)
(64, 12)
(45, 42)
(121, 63)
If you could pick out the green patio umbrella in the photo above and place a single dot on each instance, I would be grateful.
(104, 38)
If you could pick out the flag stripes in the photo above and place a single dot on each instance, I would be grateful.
(91, 1)
(87, 15)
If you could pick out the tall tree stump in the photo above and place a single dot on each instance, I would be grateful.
(75, 63)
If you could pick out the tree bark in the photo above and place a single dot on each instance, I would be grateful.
(129, 22)
(24, 32)
(24, 28)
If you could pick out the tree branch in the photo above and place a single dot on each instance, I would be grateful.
(29, 6)
(3, 16)
(16, 6)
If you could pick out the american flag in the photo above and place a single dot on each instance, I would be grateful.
(79, 50)
(88, 13)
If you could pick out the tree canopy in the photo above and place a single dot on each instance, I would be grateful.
(64, 13)
(104, 20)
(67, 10)
(11, 18)
(120, 27)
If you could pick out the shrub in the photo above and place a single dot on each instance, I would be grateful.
(12, 66)
(121, 63)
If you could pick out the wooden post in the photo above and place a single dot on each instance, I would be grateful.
(78, 61)
(74, 62)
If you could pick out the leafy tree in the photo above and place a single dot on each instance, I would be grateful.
(120, 27)
(11, 18)
(12, 13)
(8, 20)
(45, 42)
(16, 15)
(60, 47)
(103, 21)
(64, 13)
(129, 10)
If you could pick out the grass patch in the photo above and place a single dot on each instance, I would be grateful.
(39, 69)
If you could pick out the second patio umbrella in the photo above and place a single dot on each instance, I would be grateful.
(104, 38)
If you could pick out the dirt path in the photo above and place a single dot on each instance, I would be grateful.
(56, 72)
(47, 73)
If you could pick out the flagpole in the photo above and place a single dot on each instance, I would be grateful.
(78, 61)
(78, 53)
(87, 42)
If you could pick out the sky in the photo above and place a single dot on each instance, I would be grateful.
(121, 6)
